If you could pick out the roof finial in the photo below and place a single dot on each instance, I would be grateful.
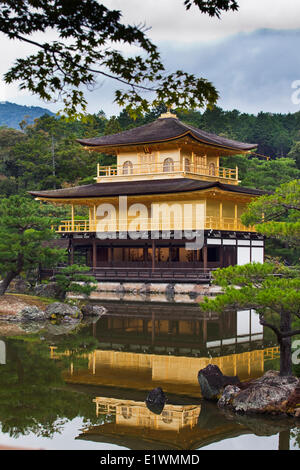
(168, 114)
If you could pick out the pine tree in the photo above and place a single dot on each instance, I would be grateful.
(272, 290)
(25, 231)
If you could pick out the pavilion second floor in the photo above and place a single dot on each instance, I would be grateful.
(145, 206)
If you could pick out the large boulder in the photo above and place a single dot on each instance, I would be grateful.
(212, 382)
(156, 400)
(31, 313)
(62, 311)
(91, 310)
(229, 393)
(19, 286)
(50, 290)
(271, 393)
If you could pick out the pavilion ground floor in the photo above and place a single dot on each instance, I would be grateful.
(163, 259)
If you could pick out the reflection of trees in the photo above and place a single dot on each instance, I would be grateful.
(77, 346)
(33, 396)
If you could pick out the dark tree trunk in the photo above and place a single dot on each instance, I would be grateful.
(285, 357)
(284, 440)
(285, 345)
(6, 281)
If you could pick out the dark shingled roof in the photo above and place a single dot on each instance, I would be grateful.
(143, 187)
(163, 130)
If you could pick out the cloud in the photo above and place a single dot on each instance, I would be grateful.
(253, 72)
(251, 56)
(170, 21)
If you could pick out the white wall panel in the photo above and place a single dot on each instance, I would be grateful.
(257, 255)
(243, 255)
(243, 322)
(256, 327)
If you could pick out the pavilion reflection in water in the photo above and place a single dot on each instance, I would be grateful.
(143, 346)
(146, 346)
(133, 425)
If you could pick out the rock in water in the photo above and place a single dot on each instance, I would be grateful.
(268, 394)
(212, 382)
(230, 392)
(91, 310)
(61, 310)
(32, 313)
(156, 400)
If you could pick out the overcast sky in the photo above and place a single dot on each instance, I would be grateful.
(251, 56)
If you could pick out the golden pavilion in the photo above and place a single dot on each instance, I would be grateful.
(165, 211)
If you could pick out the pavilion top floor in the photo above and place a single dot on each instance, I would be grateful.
(166, 148)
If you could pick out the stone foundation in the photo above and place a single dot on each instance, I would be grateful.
(163, 292)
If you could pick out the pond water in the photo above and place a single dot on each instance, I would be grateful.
(84, 387)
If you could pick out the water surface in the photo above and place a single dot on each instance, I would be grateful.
(84, 386)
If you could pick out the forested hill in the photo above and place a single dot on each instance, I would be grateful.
(45, 155)
(12, 114)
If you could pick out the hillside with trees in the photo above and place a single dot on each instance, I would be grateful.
(45, 154)
(12, 114)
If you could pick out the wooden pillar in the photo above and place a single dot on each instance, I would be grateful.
(204, 256)
(221, 255)
(204, 331)
(110, 255)
(90, 219)
(95, 218)
(145, 253)
(153, 328)
(153, 255)
(94, 362)
(94, 254)
(235, 216)
(72, 217)
(221, 215)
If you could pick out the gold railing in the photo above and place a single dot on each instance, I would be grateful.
(211, 223)
(76, 226)
(139, 169)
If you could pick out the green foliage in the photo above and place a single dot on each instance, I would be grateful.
(213, 7)
(25, 233)
(74, 279)
(45, 155)
(48, 155)
(272, 290)
(277, 215)
(85, 49)
(263, 174)
(33, 395)
(112, 126)
(294, 153)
